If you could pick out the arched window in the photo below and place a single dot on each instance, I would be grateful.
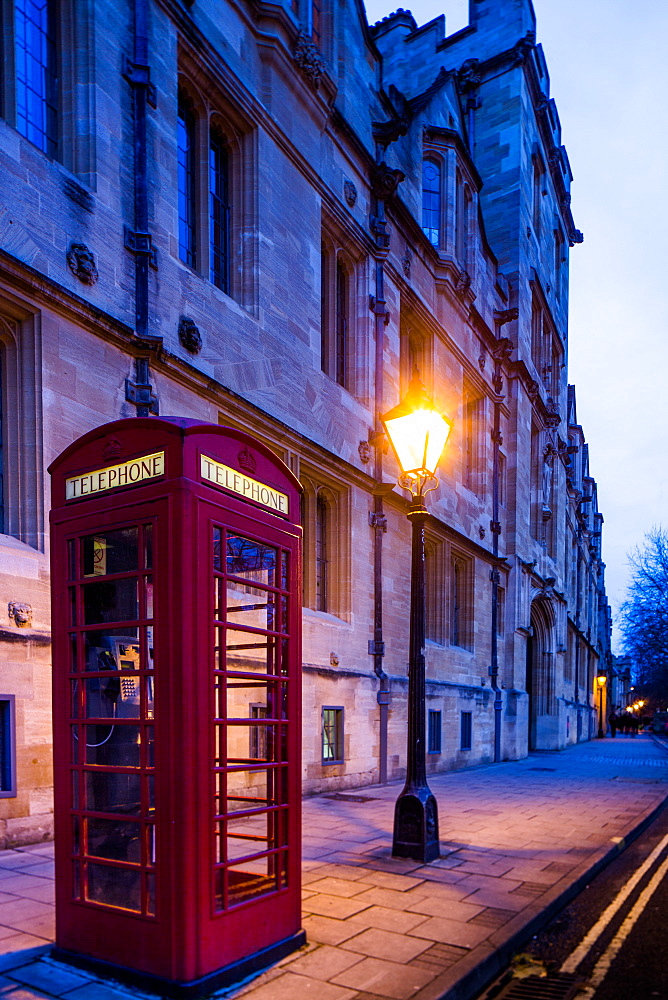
(219, 210)
(35, 25)
(186, 182)
(431, 201)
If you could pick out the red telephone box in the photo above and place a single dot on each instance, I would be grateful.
(176, 693)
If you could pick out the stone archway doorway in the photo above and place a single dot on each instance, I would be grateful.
(543, 715)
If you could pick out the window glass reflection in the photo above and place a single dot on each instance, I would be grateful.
(115, 886)
(257, 611)
(112, 745)
(113, 839)
(110, 552)
(112, 698)
(251, 560)
(250, 652)
(110, 601)
(112, 649)
(112, 792)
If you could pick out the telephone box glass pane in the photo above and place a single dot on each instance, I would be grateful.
(255, 877)
(110, 601)
(111, 698)
(110, 838)
(108, 552)
(249, 651)
(254, 610)
(112, 649)
(114, 886)
(112, 793)
(250, 560)
(252, 789)
(112, 745)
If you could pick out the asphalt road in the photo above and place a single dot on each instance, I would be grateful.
(628, 900)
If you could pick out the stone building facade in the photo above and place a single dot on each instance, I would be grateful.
(268, 215)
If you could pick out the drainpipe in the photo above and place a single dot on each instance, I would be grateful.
(138, 240)
(378, 522)
(384, 182)
(501, 354)
(137, 72)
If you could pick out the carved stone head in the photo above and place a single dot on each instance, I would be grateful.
(364, 451)
(189, 335)
(20, 614)
(81, 262)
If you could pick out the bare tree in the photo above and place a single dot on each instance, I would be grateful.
(644, 614)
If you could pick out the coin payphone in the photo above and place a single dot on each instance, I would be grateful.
(176, 690)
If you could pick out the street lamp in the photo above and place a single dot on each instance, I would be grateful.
(601, 680)
(418, 434)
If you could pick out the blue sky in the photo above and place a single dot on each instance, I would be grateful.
(609, 76)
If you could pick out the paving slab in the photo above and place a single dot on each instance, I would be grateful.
(519, 840)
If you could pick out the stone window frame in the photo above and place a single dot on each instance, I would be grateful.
(339, 735)
(434, 729)
(216, 112)
(435, 576)
(538, 190)
(438, 162)
(466, 731)
(416, 350)
(473, 439)
(461, 596)
(8, 787)
(75, 146)
(547, 353)
(560, 259)
(463, 216)
(22, 444)
(339, 251)
(460, 187)
(337, 499)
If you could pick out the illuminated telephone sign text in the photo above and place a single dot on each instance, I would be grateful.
(126, 474)
(238, 482)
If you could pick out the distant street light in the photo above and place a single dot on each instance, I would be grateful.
(601, 680)
(418, 434)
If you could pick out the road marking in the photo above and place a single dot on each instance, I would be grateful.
(590, 939)
(602, 967)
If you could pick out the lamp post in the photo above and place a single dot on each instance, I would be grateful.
(601, 680)
(417, 433)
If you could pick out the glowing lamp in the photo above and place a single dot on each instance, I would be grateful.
(417, 431)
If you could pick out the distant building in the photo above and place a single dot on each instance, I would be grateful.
(269, 215)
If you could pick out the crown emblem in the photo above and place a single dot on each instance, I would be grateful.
(246, 460)
(113, 448)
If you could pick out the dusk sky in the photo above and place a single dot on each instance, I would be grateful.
(609, 77)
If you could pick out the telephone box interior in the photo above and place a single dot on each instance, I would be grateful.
(176, 623)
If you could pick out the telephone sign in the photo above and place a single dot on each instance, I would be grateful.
(177, 656)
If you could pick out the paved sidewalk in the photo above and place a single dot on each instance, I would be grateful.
(518, 840)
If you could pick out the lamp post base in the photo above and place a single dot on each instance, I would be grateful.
(416, 826)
